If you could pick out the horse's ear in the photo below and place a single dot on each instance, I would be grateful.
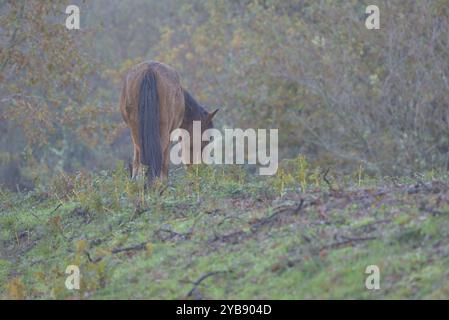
(211, 115)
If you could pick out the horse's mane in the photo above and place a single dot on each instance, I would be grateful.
(193, 111)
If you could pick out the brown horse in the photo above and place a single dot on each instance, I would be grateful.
(153, 104)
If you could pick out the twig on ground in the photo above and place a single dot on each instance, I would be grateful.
(90, 258)
(34, 215)
(201, 279)
(137, 212)
(163, 190)
(326, 180)
(53, 211)
(57, 207)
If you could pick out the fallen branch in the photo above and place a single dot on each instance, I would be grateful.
(141, 246)
(347, 241)
(172, 234)
(230, 237)
(281, 210)
(371, 224)
(299, 207)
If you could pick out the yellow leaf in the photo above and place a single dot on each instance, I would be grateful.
(16, 289)
(81, 245)
(149, 249)
(39, 275)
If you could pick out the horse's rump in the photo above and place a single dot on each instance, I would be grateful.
(152, 105)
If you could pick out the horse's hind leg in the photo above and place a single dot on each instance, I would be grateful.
(165, 163)
(136, 163)
(165, 146)
(136, 158)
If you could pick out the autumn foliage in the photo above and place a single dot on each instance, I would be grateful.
(342, 95)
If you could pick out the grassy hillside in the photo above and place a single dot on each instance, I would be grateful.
(215, 233)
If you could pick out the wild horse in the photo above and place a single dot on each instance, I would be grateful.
(153, 104)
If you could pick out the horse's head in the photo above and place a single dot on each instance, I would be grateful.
(207, 123)
(206, 119)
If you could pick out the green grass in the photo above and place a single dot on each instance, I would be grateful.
(249, 237)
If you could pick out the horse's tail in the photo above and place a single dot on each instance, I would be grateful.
(149, 134)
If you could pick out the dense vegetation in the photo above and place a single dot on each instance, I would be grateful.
(363, 123)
